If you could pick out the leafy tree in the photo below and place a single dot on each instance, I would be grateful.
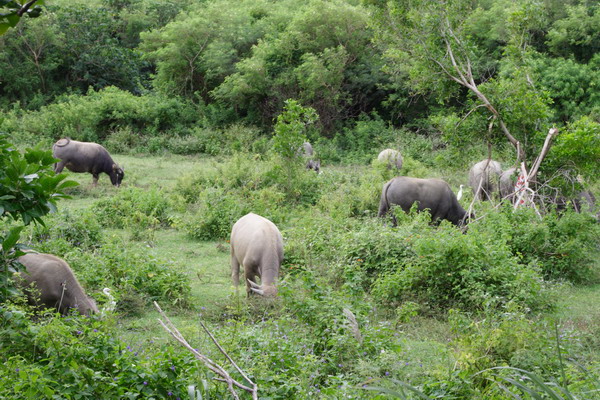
(195, 53)
(430, 43)
(13, 10)
(324, 57)
(29, 190)
(31, 55)
(577, 35)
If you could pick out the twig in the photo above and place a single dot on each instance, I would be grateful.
(210, 364)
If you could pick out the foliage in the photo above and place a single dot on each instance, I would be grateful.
(577, 34)
(29, 189)
(93, 117)
(291, 129)
(563, 246)
(321, 55)
(136, 275)
(14, 10)
(577, 148)
(78, 357)
(118, 211)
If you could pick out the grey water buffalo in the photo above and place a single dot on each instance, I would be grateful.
(432, 194)
(49, 281)
(483, 179)
(256, 245)
(391, 157)
(306, 151)
(508, 179)
(86, 157)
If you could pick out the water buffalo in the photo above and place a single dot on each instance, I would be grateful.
(432, 194)
(86, 157)
(306, 150)
(256, 245)
(49, 282)
(391, 157)
(508, 179)
(483, 179)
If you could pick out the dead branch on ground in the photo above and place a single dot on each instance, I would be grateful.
(224, 376)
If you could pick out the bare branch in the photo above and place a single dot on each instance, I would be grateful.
(210, 364)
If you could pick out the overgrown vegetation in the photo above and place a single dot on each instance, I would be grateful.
(210, 103)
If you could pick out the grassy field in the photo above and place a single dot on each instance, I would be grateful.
(424, 343)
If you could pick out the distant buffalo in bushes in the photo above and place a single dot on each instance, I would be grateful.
(307, 152)
(507, 184)
(391, 157)
(86, 157)
(432, 194)
(484, 179)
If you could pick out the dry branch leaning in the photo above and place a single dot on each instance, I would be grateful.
(210, 364)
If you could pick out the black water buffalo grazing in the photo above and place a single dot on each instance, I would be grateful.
(86, 157)
(256, 245)
(483, 179)
(391, 157)
(432, 194)
(48, 281)
(508, 179)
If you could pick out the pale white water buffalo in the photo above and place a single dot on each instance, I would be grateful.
(86, 157)
(256, 245)
(49, 281)
(391, 157)
(483, 179)
(508, 179)
(432, 194)
(306, 150)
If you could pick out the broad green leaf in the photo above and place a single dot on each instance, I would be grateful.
(12, 238)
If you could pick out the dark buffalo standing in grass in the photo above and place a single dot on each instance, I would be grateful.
(484, 179)
(432, 194)
(86, 157)
(256, 245)
(48, 281)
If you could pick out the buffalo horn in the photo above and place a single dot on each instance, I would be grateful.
(254, 284)
(259, 291)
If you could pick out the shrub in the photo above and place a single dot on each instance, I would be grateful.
(216, 214)
(132, 206)
(78, 357)
(79, 229)
(92, 116)
(131, 271)
(564, 246)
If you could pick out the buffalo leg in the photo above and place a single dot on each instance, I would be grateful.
(95, 180)
(59, 166)
(235, 271)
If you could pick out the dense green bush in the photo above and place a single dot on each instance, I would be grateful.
(132, 271)
(92, 117)
(82, 358)
(564, 246)
(79, 229)
(133, 206)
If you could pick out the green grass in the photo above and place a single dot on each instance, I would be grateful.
(424, 343)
